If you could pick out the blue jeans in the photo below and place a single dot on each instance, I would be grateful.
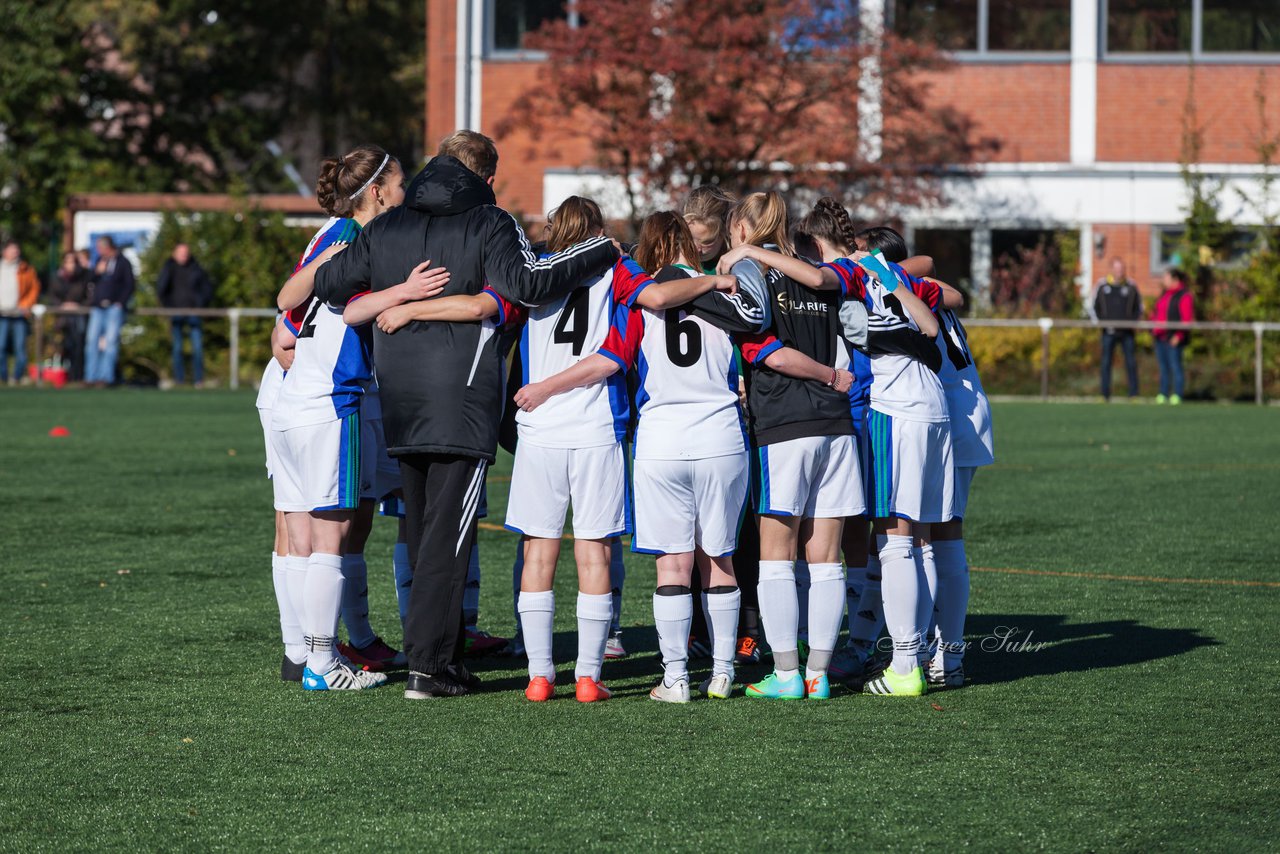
(192, 327)
(1170, 358)
(102, 343)
(13, 329)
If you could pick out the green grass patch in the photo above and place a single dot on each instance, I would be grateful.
(141, 707)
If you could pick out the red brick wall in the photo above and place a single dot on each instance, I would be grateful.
(1025, 107)
(441, 76)
(1141, 109)
(1132, 244)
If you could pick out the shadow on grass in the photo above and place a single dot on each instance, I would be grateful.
(1009, 647)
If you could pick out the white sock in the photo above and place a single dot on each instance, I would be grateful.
(866, 623)
(952, 600)
(901, 590)
(471, 593)
(673, 615)
(595, 613)
(721, 608)
(826, 610)
(927, 580)
(295, 582)
(355, 600)
(780, 611)
(290, 625)
(802, 600)
(537, 613)
(323, 596)
(617, 577)
(403, 569)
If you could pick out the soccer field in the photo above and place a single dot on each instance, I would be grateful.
(1132, 548)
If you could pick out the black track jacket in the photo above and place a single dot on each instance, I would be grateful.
(441, 383)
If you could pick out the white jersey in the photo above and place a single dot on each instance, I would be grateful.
(971, 436)
(688, 393)
(556, 337)
(331, 363)
(900, 385)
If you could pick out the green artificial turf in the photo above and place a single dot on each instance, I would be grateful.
(141, 706)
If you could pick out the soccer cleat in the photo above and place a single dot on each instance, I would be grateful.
(478, 643)
(844, 663)
(613, 648)
(341, 677)
(464, 677)
(590, 690)
(698, 648)
(377, 656)
(540, 689)
(718, 687)
(939, 678)
(773, 688)
(664, 693)
(1160, 398)
(290, 671)
(817, 689)
(1175, 399)
(892, 684)
(428, 686)
(748, 651)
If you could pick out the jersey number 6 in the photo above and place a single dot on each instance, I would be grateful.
(684, 342)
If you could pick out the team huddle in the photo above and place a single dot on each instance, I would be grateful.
(787, 416)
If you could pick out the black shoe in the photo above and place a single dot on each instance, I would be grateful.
(460, 674)
(290, 672)
(428, 686)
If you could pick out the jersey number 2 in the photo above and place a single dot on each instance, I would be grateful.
(571, 326)
(684, 342)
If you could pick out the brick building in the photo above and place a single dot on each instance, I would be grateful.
(1087, 99)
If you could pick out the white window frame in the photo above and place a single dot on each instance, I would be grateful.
(496, 54)
(1197, 55)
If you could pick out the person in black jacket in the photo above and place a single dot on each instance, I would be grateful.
(183, 283)
(1116, 298)
(113, 286)
(441, 383)
(70, 290)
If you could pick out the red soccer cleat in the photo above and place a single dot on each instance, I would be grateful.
(478, 643)
(375, 657)
(590, 690)
(540, 690)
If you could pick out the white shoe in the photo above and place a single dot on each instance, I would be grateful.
(341, 677)
(613, 648)
(677, 693)
(718, 687)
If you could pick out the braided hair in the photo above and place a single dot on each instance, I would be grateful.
(830, 223)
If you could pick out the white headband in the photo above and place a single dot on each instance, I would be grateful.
(369, 183)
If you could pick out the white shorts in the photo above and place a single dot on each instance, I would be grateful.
(264, 416)
(909, 470)
(818, 477)
(960, 497)
(317, 466)
(546, 481)
(379, 474)
(680, 504)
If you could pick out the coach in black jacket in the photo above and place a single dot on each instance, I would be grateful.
(441, 383)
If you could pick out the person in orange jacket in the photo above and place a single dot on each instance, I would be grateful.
(19, 290)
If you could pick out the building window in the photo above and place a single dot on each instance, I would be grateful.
(1241, 26)
(1029, 25)
(1166, 246)
(1198, 28)
(511, 21)
(985, 26)
(1149, 26)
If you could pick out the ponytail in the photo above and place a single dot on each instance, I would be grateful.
(344, 180)
(765, 216)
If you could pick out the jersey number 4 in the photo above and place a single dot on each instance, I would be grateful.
(571, 326)
(308, 329)
(684, 342)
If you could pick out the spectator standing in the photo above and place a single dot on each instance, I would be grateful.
(183, 283)
(70, 290)
(1175, 305)
(1116, 297)
(19, 289)
(113, 286)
